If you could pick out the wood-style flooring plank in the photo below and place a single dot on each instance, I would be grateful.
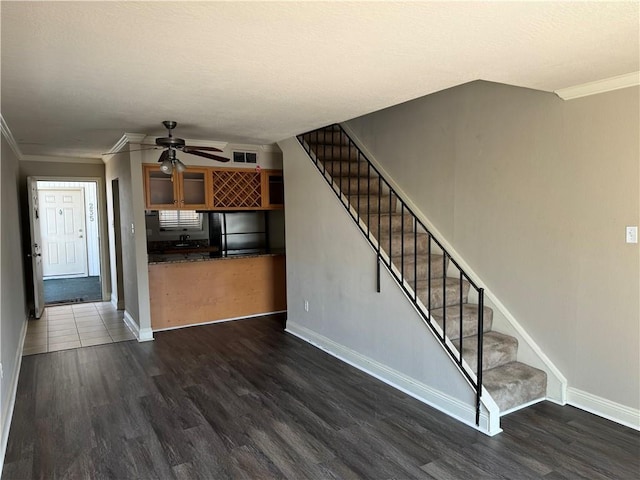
(245, 400)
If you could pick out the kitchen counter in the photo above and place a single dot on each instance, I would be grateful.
(156, 258)
(192, 289)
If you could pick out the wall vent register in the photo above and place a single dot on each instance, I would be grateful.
(245, 157)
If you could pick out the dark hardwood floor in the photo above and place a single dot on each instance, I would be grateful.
(245, 400)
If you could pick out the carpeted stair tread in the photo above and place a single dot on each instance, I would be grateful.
(394, 219)
(326, 137)
(337, 152)
(363, 204)
(452, 293)
(421, 243)
(497, 349)
(337, 168)
(420, 267)
(359, 185)
(515, 384)
(469, 319)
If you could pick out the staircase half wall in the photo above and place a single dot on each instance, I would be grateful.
(332, 269)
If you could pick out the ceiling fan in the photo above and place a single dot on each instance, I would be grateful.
(171, 144)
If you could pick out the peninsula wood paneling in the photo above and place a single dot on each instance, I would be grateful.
(196, 292)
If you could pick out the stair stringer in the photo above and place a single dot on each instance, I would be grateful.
(504, 321)
(380, 334)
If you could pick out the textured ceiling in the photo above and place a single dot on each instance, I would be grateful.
(77, 75)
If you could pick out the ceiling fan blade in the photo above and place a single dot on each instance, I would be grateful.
(206, 149)
(208, 155)
(163, 156)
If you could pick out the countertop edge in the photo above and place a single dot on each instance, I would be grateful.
(209, 259)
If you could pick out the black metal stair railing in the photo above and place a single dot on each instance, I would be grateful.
(333, 144)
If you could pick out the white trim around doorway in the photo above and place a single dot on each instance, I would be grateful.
(101, 209)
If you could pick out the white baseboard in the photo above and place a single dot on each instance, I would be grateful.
(424, 393)
(7, 415)
(142, 334)
(114, 301)
(616, 412)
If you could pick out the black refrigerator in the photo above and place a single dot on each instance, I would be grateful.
(238, 233)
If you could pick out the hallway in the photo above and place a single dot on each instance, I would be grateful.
(70, 290)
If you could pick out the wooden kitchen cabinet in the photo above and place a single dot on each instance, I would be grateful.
(237, 189)
(273, 189)
(188, 190)
(214, 188)
(247, 189)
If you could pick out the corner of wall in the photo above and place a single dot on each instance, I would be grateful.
(142, 334)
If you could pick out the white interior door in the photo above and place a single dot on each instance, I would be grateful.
(36, 247)
(63, 232)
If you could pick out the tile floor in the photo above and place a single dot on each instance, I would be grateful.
(73, 326)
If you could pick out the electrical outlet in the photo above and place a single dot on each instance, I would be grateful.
(632, 234)
(1, 372)
(306, 305)
(133, 229)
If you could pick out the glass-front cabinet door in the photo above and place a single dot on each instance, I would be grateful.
(273, 186)
(188, 190)
(160, 189)
(194, 188)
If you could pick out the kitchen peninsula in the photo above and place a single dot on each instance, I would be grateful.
(215, 243)
(189, 289)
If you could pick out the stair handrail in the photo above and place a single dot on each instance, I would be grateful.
(353, 151)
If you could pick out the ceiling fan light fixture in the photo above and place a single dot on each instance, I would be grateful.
(179, 166)
(166, 167)
(171, 144)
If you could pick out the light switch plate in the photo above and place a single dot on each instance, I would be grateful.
(632, 234)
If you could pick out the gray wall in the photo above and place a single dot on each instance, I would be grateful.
(118, 167)
(535, 193)
(13, 305)
(126, 167)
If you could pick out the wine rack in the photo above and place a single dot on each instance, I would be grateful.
(237, 189)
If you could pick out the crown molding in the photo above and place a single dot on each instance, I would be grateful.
(49, 158)
(189, 141)
(124, 140)
(6, 132)
(600, 86)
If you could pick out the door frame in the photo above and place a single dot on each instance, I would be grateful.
(101, 209)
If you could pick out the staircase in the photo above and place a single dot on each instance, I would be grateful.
(447, 298)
